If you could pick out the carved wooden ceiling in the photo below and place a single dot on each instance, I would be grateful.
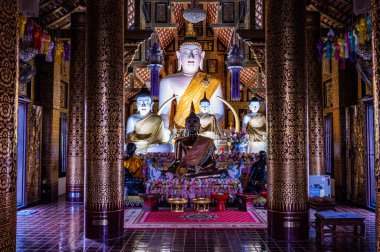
(55, 14)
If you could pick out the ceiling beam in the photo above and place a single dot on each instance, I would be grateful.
(78, 8)
(313, 7)
(46, 3)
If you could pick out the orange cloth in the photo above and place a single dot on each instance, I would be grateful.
(135, 166)
(194, 93)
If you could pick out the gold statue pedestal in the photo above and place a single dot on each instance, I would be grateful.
(201, 204)
(177, 204)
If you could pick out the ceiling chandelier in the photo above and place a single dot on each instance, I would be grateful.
(194, 14)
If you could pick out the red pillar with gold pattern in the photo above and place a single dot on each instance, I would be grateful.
(75, 150)
(316, 143)
(285, 38)
(8, 122)
(104, 204)
(375, 20)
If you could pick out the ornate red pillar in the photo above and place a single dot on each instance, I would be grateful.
(8, 123)
(104, 205)
(288, 211)
(316, 144)
(75, 153)
(375, 19)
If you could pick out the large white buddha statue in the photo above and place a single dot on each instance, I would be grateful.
(189, 85)
(146, 129)
(255, 126)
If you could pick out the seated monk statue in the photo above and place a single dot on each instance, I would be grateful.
(133, 172)
(194, 154)
(189, 85)
(255, 126)
(146, 129)
(209, 125)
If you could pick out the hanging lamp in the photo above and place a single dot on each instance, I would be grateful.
(155, 65)
(235, 64)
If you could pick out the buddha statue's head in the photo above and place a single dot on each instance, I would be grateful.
(190, 57)
(192, 122)
(254, 105)
(144, 103)
(205, 105)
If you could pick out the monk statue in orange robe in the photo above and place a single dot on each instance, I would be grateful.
(194, 154)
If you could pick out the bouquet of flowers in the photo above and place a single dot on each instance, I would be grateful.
(237, 138)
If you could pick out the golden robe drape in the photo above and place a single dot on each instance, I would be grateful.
(194, 93)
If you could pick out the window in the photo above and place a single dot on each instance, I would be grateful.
(62, 145)
(329, 144)
(370, 154)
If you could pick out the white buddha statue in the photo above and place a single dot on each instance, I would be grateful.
(209, 124)
(190, 85)
(255, 126)
(146, 129)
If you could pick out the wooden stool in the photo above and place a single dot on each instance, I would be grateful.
(201, 204)
(332, 219)
(179, 204)
(247, 201)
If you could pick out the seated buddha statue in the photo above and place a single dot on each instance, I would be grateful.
(194, 154)
(209, 124)
(189, 85)
(255, 126)
(146, 129)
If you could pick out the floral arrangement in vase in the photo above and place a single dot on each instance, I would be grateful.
(237, 138)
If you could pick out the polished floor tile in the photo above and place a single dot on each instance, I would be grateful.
(59, 227)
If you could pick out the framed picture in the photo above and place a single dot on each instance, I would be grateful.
(241, 12)
(64, 94)
(212, 66)
(170, 47)
(327, 86)
(228, 12)
(147, 10)
(208, 46)
(220, 46)
(161, 12)
(209, 32)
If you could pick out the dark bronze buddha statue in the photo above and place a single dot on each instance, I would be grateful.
(194, 154)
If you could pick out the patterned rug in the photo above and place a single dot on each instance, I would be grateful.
(139, 219)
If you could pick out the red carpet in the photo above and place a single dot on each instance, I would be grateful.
(136, 219)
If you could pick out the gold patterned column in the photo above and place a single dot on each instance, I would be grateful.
(8, 123)
(286, 92)
(375, 19)
(316, 135)
(104, 120)
(75, 152)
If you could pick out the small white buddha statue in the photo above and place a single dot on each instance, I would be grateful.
(190, 86)
(146, 129)
(209, 124)
(255, 126)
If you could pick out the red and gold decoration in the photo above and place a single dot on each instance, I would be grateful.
(104, 204)
(314, 96)
(375, 16)
(8, 122)
(76, 140)
(288, 213)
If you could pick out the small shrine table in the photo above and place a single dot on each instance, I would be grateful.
(247, 200)
(220, 201)
(179, 204)
(150, 201)
(201, 204)
(332, 219)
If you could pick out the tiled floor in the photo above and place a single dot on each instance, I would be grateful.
(59, 227)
